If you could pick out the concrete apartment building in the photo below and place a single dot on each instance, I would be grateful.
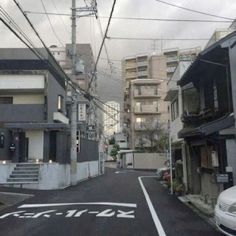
(144, 80)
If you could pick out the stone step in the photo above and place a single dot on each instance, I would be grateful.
(26, 168)
(24, 175)
(19, 172)
(27, 165)
(16, 180)
(16, 183)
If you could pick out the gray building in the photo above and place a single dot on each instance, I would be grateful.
(32, 108)
(34, 124)
(87, 111)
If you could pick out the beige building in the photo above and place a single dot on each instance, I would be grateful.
(173, 56)
(145, 111)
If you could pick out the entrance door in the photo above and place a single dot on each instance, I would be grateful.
(53, 145)
(23, 147)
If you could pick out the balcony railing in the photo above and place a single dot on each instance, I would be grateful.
(131, 74)
(142, 63)
(146, 93)
(145, 126)
(142, 73)
(148, 109)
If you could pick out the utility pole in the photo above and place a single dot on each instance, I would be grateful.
(171, 162)
(83, 11)
(73, 150)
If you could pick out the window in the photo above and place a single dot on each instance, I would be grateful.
(216, 105)
(59, 102)
(6, 100)
(174, 110)
(142, 68)
(2, 140)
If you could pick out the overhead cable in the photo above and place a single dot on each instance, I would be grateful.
(153, 39)
(102, 44)
(140, 18)
(50, 23)
(195, 11)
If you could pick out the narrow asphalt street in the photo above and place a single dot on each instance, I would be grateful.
(117, 203)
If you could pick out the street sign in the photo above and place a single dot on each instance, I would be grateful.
(222, 178)
(81, 112)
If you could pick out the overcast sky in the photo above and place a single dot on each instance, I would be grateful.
(88, 31)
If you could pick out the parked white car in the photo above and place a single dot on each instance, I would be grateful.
(225, 212)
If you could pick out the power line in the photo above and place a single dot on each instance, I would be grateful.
(141, 18)
(170, 20)
(103, 41)
(67, 79)
(62, 20)
(152, 39)
(104, 111)
(105, 47)
(50, 23)
(42, 58)
(195, 11)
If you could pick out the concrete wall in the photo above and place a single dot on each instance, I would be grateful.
(35, 143)
(88, 151)
(209, 188)
(87, 170)
(149, 160)
(5, 171)
(21, 82)
(53, 176)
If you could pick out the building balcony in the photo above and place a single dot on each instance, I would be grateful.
(130, 75)
(142, 143)
(146, 94)
(172, 59)
(130, 65)
(145, 126)
(146, 109)
(21, 113)
(142, 63)
(142, 73)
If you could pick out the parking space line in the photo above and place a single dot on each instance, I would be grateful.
(155, 218)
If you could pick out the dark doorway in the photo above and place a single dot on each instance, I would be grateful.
(23, 147)
(52, 145)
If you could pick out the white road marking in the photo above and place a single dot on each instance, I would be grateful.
(131, 205)
(155, 218)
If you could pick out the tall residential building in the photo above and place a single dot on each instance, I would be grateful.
(145, 112)
(173, 56)
(111, 119)
(87, 113)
